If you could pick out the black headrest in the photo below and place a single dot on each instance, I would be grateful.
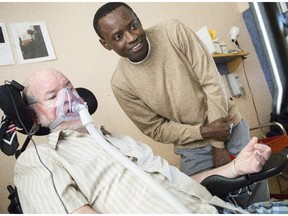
(14, 107)
(89, 98)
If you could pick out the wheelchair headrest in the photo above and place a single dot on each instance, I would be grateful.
(14, 107)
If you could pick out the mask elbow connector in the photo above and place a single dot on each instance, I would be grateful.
(83, 112)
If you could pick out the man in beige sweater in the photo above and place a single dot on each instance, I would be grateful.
(168, 85)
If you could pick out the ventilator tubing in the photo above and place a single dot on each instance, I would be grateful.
(155, 186)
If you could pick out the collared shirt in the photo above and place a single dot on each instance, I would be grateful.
(81, 172)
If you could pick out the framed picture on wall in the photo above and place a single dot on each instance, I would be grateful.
(32, 42)
(6, 55)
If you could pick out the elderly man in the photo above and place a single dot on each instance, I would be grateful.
(72, 173)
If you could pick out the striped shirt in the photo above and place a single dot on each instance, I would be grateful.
(72, 170)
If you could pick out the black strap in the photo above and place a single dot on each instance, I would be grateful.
(24, 146)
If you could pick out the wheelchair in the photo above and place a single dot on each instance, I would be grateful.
(16, 111)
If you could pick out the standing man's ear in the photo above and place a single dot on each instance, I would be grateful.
(104, 44)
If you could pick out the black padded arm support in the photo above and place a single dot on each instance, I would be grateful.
(221, 186)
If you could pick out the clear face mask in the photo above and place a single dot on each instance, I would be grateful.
(65, 107)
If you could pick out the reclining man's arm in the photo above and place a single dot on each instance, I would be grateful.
(250, 160)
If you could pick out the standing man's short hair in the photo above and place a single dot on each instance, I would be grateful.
(103, 11)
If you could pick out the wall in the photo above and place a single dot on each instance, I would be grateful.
(81, 57)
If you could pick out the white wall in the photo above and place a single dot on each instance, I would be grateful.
(81, 57)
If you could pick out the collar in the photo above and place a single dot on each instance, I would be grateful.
(149, 49)
(55, 137)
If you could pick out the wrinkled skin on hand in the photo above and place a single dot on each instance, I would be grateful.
(252, 158)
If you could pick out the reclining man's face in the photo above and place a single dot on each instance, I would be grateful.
(54, 97)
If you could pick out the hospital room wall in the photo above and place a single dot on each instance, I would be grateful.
(81, 57)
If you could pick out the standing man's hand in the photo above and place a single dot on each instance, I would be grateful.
(219, 130)
(220, 156)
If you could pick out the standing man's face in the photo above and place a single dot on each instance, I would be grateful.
(123, 33)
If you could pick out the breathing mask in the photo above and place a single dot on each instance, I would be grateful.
(65, 104)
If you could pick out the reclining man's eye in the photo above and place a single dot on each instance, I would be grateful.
(52, 97)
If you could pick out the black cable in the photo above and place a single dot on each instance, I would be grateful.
(30, 136)
(52, 177)
(252, 97)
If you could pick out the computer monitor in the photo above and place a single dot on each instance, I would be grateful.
(271, 19)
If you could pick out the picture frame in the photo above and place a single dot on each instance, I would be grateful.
(6, 54)
(32, 42)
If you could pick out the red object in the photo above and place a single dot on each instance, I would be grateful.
(276, 143)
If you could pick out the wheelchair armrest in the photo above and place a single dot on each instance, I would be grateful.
(276, 163)
(221, 186)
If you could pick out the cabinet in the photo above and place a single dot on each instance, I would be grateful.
(228, 62)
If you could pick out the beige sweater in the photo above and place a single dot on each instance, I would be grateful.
(175, 90)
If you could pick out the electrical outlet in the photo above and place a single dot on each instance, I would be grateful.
(235, 85)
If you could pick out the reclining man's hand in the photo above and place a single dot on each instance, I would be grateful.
(252, 158)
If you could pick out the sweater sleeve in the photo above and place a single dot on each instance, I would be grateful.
(206, 71)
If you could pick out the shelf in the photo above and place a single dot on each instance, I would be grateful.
(228, 62)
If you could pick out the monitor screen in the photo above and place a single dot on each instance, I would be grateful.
(271, 21)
